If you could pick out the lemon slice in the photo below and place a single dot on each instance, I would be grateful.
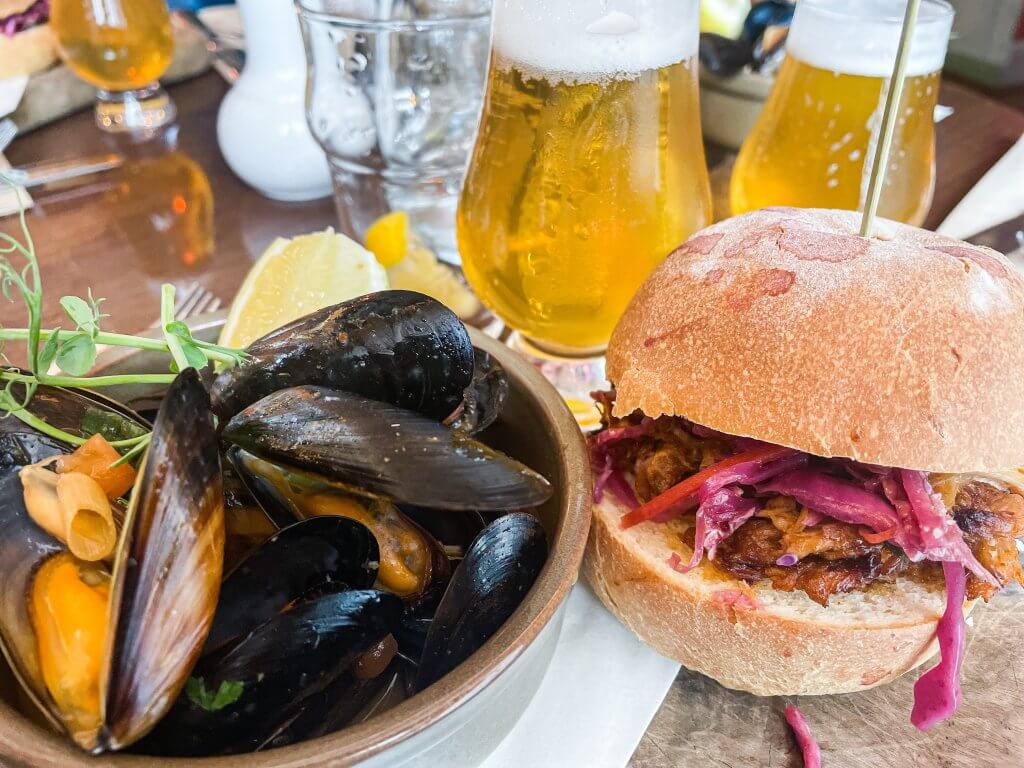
(414, 267)
(295, 277)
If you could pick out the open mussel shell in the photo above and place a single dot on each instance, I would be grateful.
(24, 547)
(398, 346)
(411, 561)
(486, 395)
(498, 570)
(274, 670)
(166, 574)
(295, 562)
(168, 571)
(381, 450)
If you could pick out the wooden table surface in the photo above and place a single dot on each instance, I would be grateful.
(128, 231)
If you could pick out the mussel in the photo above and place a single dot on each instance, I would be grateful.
(410, 560)
(295, 562)
(271, 673)
(378, 449)
(485, 396)
(104, 654)
(498, 570)
(296, 619)
(397, 346)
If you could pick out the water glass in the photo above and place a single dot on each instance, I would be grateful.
(393, 96)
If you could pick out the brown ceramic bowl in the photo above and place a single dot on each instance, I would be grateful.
(462, 718)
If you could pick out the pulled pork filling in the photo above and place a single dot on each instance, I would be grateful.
(796, 548)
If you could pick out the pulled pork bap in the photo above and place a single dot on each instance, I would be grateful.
(809, 466)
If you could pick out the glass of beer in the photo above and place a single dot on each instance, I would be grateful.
(121, 47)
(588, 170)
(814, 142)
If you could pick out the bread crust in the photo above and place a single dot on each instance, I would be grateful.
(27, 52)
(756, 639)
(904, 350)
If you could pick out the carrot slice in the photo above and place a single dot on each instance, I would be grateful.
(94, 458)
(681, 491)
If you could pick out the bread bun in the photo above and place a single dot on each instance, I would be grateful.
(906, 349)
(756, 639)
(27, 52)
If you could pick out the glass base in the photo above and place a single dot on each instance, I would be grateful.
(141, 111)
(575, 377)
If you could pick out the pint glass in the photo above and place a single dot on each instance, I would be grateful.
(814, 142)
(588, 167)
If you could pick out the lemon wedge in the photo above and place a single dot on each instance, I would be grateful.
(295, 277)
(414, 267)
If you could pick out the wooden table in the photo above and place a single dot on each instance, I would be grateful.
(127, 232)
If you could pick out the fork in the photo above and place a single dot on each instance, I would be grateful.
(194, 299)
(8, 130)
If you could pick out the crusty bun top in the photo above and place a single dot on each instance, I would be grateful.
(905, 349)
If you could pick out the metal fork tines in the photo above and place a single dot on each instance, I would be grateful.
(194, 299)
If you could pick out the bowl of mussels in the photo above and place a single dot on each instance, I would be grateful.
(353, 548)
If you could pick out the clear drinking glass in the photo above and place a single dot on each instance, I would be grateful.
(814, 142)
(122, 47)
(588, 171)
(393, 96)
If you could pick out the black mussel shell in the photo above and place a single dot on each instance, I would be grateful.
(293, 563)
(498, 570)
(397, 346)
(348, 699)
(296, 655)
(382, 450)
(485, 397)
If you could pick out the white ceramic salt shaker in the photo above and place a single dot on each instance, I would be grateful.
(261, 126)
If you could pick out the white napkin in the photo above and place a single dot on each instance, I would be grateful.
(998, 197)
(11, 91)
(597, 699)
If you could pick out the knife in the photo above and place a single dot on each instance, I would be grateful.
(37, 174)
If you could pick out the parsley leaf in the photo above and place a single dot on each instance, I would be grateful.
(213, 701)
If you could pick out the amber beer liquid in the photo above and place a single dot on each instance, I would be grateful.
(117, 45)
(588, 168)
(815, 140)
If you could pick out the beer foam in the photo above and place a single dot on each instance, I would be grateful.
(588, 41)
(861, 37)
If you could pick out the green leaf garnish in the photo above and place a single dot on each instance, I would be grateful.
(212, 701)
(49, 351)
(80, 313)
(76, 355)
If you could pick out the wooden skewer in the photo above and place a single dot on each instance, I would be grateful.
(892, 104)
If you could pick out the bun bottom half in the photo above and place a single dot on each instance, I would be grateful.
(756, 638)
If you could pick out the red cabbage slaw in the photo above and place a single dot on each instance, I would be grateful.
(802, 733)
(937, 692)
(896, 505)
(37, 13)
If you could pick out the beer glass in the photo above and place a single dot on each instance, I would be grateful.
(588, 170)
(121, 47)
(814, 142)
